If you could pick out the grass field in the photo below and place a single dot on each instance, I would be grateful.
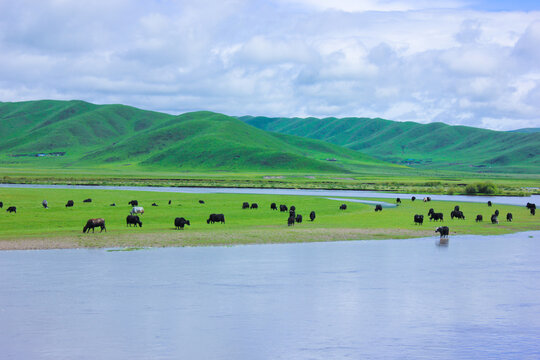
(60, 227)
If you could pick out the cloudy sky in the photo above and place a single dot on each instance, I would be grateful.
(470, 62)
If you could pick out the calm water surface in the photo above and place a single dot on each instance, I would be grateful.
(477, 298)
(508, 200)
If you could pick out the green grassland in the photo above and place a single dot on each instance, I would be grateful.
(58, 227)
(429, 146)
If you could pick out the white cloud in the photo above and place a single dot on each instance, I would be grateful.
(397, 59)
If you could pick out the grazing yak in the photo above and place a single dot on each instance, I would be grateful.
(45, 204)
(245, 205)
(378, 207)
(312, 215)
(430, 212)
(456, 208)
(443, 230)
(179, 222)
(133, 203)
(137, 210)
(292, 213)
(169, 202)
(494, 219)
(12, 209)
(426, 199)
(254, 206)
(343, 207)
(283, 208)
(457, 214)
(436, 216)
(290, 220)
(94, 223)
(87, 200)
(413, 198)
(1, 204)
(509, 217)
(113, 204)
(418, 219)
(213, 218)
(201, 201)
(133, 220)
(293, 208)
(479, 218)
(70, 203)
(398, 201)
(154, 204)
(273, 206)
(530, 206)
(489, 203)
(533, 211)
(298, 218)
(497, 212)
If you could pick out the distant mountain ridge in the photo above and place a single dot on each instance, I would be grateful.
(76, 133)
(434, 145)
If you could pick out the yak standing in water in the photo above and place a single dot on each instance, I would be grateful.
(94, 223)
(444, 231)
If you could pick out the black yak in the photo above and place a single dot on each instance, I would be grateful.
(254, 206)
(290, 220)
(12, 209)
(479, 218)
(273, 206)
(378, 207)
(213, 218)
(133, 220)
(298, 218)
(70, 203)
(283, 208)
(133, 203)
(312, 215)
(179, 222)
(509, 217)
(443, 230)
(245, 205)
(418, 219)
(343, 207)
(436, 216)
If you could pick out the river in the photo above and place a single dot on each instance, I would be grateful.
(477, 298)
(505, 200)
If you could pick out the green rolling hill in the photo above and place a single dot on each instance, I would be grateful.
(72, 134)
(430, 146)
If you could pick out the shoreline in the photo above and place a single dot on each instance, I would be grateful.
(182, 238)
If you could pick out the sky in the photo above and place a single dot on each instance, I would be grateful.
(461, 62)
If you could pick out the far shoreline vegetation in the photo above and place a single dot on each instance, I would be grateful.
(420, 183)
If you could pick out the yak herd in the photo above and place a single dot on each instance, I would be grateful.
(133, 219)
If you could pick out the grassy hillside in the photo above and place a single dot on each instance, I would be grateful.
(434, 145)
(75, 134)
